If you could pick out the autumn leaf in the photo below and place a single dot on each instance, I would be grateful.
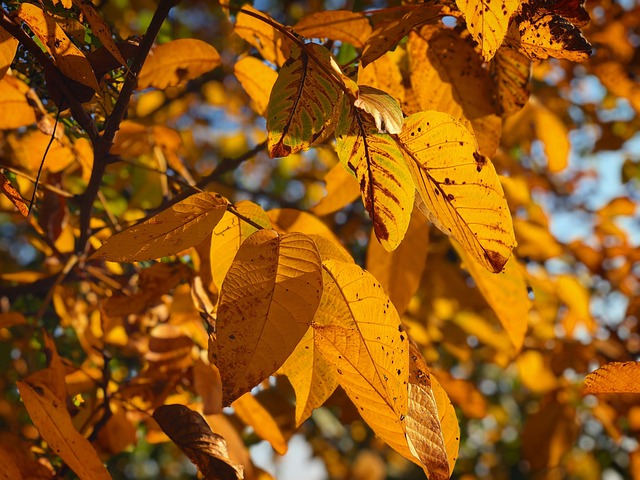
(267, 302)
(384, 74)
(459, 186)
(302, 100)
(175, 62)
(257, 79)
(488, 20)
(614, 377)
(68, 57)
(100, 29)
(8, 48)
(11, 193)
(342, 25)
(342, 189)
(191, 433)
(15, 111)
(359, 332)
(384, 109)
(177, 228)
(10, 319)
(511, 70)
(255, 415)
(50, 416)
(272, 44)
(385, 180)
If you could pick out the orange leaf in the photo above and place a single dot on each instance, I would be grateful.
(15, 111)
(342, 25)
(251, 412)
(614, 377)
(8, 48)
(99, 28)
(13, 195)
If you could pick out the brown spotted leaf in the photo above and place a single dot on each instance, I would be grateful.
(384, 177)
(614, 377)
(302, 100)
(12, 194)
(342, 25)
(99, 28)
(511, 70)
(267, 302)
(192, 434)
(459, 186)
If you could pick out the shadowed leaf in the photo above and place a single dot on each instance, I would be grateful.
(8, 48)
(342, 25)
(511, 70)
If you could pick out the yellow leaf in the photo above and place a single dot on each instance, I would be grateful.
(15, 111)
(180, 226)
(100, 29)
(447, 75)
(256, 416)
(68, 57)
(429, 411)
(614, 377)
(459, 186)
(28, 151)
(257, 79)
(288, 220)
(272, 44)
(613, 75)
(553, 132)
(384, 74)
(190, 431)
(267, 302)
(488, 20)
(342, 189)
(505, 292)
(176, 62)
(8, 48)
(534, 373)
(302, 100)
(359, 332)
(50, 416)
(342, 25)
(577, 299)
(382, 172)
(511, 70)
(228, 235)
(399, 272)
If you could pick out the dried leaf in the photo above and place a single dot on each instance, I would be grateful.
(177, 228)
(384, 109)
(8, 48)
(459, 186)
(614, 377)
(11, 193)
(50, 416)
(178, 61)
(342, 25)
(267, 302)
(257, 79)
(207, 450)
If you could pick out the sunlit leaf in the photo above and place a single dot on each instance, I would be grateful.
(576, 297)
(447, 75)
(257, 79)
(343, 25)
(267, 302)
(191, 433)
(8, 48)
(255, 415)
(302, 100)
(11, 193)
(15, 111)
(176, 62)
(614, 377)
(384, 74)
(342, 189)
(384, 109)
(385, 180)
(289, 220)
(362, 337)
(272, 44)
(50, 416)
(511, 71)
(459, 186)
(180, 226)
(68, 57)
(99, 28)
(488, 20)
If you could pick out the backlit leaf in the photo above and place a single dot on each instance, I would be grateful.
(191, 433)
(176, 62)
(385, 180)
(177, 228)
(99, 28)
(614, 377)
(447, 75)
(342, 189)
(11, 193)
(8, 48)
(361, 335)
(384, 74)
(49, 414)
(342, 25)
(511, 70)
(302, 100)
(459, 186)
(272, 44)
(289, 220)
(255, 415)
(15, 111)
(257, 79)
(384, 109)
(488, 20)
(68, 57)
(267, 302)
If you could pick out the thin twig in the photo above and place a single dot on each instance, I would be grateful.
(31, 178)
(44, 157)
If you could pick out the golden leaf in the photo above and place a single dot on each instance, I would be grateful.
(505, 292)
(12, 194)
(68, 57)
(359, 332)
(613, 75)
(50, 416)
(399, 272)
(15, 111)
(8, 48)
(177, 228)
(99, 28)
(535, 373)
(257, 79)
(28, 151)
(342, 189)
(447, 75)
(289, 220)
(342, 25)
(254, 414)
(176, 62)
(459, 186)
(302, 100)
(384, 109)
(272, 44)
(614, 377)
(488, 20)
(267, 302)
(384, 177)
(511, 70)
(577, 300)
(207, 450)
(384, 74)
